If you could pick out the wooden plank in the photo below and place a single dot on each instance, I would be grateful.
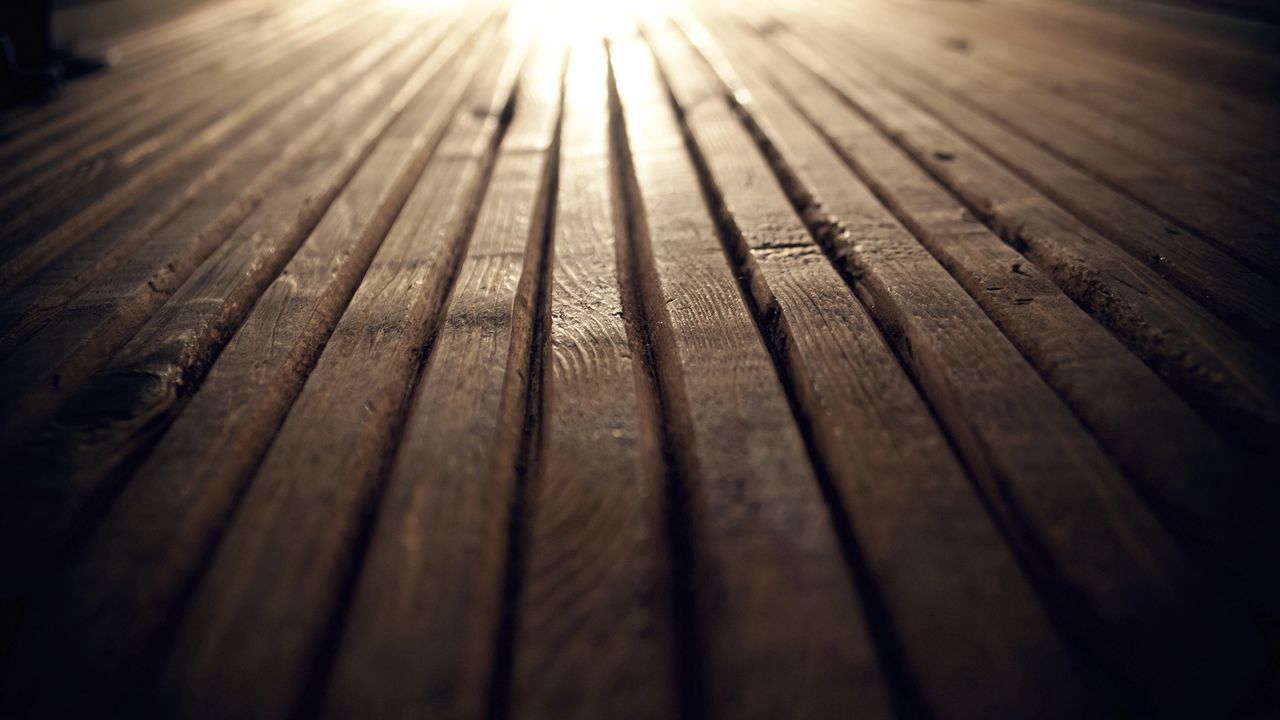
(1180, 253)
(1224, 378)
(781, 627)
(196, 21)
(44, 371)
(594, 635)
(1199, 26)
(1094, 180)
(176, 31)
(106, 141)
(132, 69)
(73, 125)
(102, 616)
(1201, 158)
(709, 475)
(64, 478)
(1160, 575)
(892, 466)
(77, 201)
(427, 620)
(1183, 56)
(1128, 113)
(1185, 88)
(1193, 479)
(257, 635)
(1109, 87)
(191, 200)
(127, 57)
(37, 182)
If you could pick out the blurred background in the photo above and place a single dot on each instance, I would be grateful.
(45, 41)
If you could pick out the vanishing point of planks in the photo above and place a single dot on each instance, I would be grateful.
(559, 359)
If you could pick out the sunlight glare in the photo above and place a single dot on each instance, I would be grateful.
(570, 23)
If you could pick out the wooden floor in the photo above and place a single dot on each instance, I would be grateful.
(888, 359)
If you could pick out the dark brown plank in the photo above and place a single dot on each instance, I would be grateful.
(107, 262)
(1035, 509)
(70, 471)
(1130, 112)
(1112, 32)
(831, 360)
(594, 634)
(426, 619)
(1182, 249)
(45, 217)
(887, 458)
(1103, 183)
(112, 98)
(136, 54)
(48, 368)
(782, 630)
(1196, 482)
(139, 103)
(1157, 87)
(1224, 378)
(260, 616)
(112, 601)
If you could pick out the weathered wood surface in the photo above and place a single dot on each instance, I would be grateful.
(709, 359)
(595, 632)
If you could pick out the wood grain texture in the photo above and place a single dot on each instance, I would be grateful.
(909, 296)
(699, 359)
(54, 364)
(232, 637)
(1122, 111)
(134, 58)
(843, 391)
(1120, 400)
(1103, 182)
(1185, 254)
(56, 136)
(60, 217)
(76, 465)
(236, 652)
(103, 137)
(114, 254)
(1222, 130)
(96, 103)
(1107, 493)
(1156, 48)
(1227, 380)
(763, 543)
(130, 578)
(425, 622)
(595, 633)
(1157, 87)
